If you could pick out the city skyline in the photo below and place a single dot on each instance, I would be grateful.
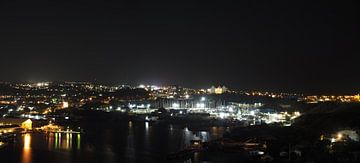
(205, 87)
(179, 81)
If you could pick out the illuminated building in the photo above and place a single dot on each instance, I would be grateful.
(25, 124)
(218, 90)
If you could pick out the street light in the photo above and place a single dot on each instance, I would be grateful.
(339, 136)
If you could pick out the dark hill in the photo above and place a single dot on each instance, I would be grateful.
(331, 117)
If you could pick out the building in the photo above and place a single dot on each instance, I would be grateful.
(217, 90)
(6, 123)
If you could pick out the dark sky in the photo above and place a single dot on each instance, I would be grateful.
(280, 45)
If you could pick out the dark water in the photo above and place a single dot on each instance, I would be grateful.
(120, 142)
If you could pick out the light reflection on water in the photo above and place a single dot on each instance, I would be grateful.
(26, 155)
(130, 149)
(61, 141)
(78, 138)
(146, 136)
(134, 142)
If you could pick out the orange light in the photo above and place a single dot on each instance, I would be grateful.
(339, 136)
(27, 141)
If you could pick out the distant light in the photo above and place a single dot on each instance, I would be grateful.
(231, 109)
(175, 105)
(252, 113)
(333, 140)
(65, 105)
(339, 136)
(141, 106)
(203, 98)
(219, 90)
(261, 152)
(42, 84)
(223, 115)
(154, 87)
(200, 105)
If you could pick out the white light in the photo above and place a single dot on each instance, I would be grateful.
(147, 126)
(252, 113)
(333, 140)
(175, 105)
(132, 106)
(65, 105)
(223, 115)
(200, 105)
(261, 153)
(231, 109)
(203, 98)
(154, 87)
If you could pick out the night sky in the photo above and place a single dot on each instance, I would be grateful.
(280, 45)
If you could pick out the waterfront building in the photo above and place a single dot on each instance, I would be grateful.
(25, 124)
